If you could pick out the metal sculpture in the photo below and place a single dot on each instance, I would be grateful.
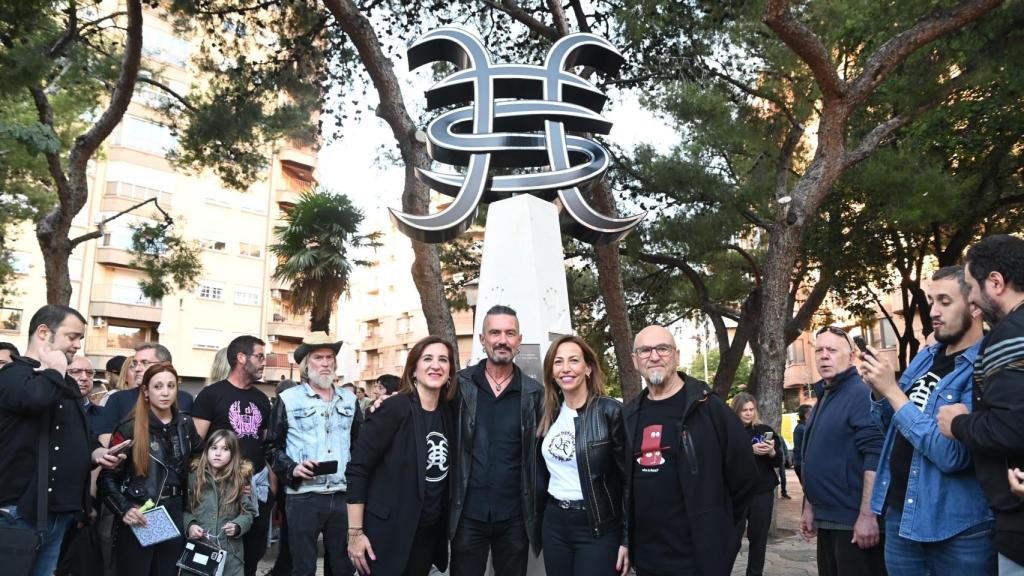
(517, 116)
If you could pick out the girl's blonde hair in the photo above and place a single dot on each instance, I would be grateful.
(229, 481)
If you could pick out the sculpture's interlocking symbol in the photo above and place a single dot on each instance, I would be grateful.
(507, 102)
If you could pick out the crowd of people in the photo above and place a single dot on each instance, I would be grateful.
(438, 467)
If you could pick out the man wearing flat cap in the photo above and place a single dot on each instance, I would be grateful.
(312, 430)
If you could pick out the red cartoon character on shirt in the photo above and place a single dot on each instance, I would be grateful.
(650, 447)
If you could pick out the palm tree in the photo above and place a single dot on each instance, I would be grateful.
(313, 249)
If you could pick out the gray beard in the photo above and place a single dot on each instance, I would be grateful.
(656, 379)
(322, 382)
(495, 359)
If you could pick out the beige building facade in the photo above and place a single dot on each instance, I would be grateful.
(235, 294)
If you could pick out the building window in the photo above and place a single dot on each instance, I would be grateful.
(403, 326)
(144, 135)
(127, 337)
(882, 335)
(206, 339)
(248, 296)
(117, 235)
(164, 47)
(795, 353)
(210, 290)
(214, 245)
(137, 193)
(253, 203)
(20, 262)
(403, 356)
(250, 250)
(129, 294)
(220, 198)
(10, 319)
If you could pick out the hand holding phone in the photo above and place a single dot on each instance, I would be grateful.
(119, 447)
(768, 436)
(859, 341)
(325, 467)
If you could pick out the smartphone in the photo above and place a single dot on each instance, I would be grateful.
(859, 341)
(768, 436)
(119, 447)
(326, 467)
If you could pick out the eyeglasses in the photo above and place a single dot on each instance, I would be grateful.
(80, 371)
(261, 356)
(661, 349)
(136, 364)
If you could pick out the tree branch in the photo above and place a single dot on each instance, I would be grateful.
(517, 13)
(806, 45)
(168, 221)
(762, 95)
(802, 319)
(581, 16)
(891, 54)
(750, 262)
(183, 100)
(59, 48)
(86, 144)
(45, 112)
(558, 14)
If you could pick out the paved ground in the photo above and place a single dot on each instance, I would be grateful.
(787, 555)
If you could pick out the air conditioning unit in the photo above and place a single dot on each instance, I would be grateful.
(99, 322)
(272, 338)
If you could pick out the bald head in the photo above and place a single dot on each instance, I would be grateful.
(655, 355)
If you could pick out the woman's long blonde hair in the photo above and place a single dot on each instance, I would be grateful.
(553, 393)
(229, 481)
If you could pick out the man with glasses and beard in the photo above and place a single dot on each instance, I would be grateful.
(236, 404)
(936, 518)
(841, 449)
(309, 442)
(994, 431)
(689, 468)
(498, 408)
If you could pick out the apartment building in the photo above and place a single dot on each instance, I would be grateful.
(235, 295)
(383, 316)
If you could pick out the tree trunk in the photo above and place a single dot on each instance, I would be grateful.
(56, 250)
(609, 279)
(426, 268)
(729, 360)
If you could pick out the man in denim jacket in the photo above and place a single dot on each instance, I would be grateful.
(936, 516)
(314, 425)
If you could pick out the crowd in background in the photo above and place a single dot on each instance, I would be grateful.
(451, 469)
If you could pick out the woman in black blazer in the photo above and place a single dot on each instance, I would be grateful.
(397, 479)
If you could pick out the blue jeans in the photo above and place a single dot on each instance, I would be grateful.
(969, 552)
(56, 527)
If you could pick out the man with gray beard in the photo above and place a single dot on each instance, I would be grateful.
(312, 430)
(689, 468)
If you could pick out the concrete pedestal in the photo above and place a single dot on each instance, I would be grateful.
(523, 267)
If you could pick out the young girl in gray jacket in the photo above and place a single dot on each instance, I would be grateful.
(219, 508)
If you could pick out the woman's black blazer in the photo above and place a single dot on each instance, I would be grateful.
(387, 472)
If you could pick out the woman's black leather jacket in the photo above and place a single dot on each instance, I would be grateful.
(121, 488)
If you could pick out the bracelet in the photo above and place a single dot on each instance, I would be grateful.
(356, 529)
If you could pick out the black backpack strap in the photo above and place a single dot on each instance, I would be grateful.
(43, 463)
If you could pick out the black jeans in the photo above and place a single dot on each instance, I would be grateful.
(506, 541)
(424, 546)
(570, 548)
(838, 556)
(759, 521)
(156, 560)
(309, 515)
(782, 478)
(283, 564)
(255, 540)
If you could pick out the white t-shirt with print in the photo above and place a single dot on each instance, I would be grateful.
(559, 449)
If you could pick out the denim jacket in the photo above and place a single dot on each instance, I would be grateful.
(305, 427)
(943, 496)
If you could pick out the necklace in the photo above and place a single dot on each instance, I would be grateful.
(498, 383)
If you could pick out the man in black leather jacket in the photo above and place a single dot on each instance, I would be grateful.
(497, 411)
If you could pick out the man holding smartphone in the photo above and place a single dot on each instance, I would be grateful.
(312, 430)
(37, 397)
(936, 517)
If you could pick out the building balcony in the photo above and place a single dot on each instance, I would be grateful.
(287, 326)
(112, 256)
(371, 343)
(123, 301)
